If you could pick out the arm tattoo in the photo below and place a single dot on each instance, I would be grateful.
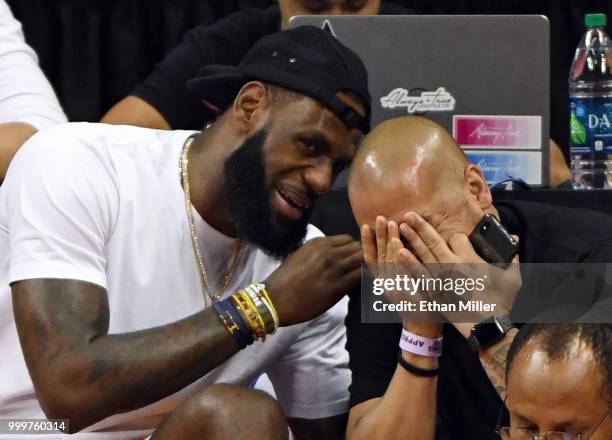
(63, 330)
(493, 361)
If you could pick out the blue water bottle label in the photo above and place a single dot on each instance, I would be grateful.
(590, 125)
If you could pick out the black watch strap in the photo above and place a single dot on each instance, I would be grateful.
(497, 327)
(505, 322)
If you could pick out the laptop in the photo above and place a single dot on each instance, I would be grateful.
(485, 78)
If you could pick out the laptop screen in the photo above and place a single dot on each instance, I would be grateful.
(485, 78)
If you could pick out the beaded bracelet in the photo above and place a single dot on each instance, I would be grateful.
(254, 314)
(247, 317)
(251, 315)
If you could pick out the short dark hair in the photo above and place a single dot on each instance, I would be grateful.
(281, 96)
(556, 341)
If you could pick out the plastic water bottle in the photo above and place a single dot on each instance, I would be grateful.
(590, 90)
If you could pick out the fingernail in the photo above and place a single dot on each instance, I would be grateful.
(405, 229)
(410, 218)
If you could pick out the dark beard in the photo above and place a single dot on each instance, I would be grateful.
(248, 202)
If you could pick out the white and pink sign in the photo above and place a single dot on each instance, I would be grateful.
(520, 132)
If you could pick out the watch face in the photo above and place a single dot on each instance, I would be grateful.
(488, 333)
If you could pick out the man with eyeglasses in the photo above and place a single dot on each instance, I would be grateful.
(417, 199)
(559, 383)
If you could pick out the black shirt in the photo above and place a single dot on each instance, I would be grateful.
(225, 42)
(467, 403)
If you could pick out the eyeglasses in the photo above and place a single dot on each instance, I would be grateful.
(514, 433)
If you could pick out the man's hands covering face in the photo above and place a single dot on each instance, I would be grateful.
(416, 246)
(387, 257)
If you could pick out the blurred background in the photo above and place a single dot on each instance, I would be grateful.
(95, 51)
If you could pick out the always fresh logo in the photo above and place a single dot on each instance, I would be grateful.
(482, 131)
(495, 167)
(494, 134)
(438, 101)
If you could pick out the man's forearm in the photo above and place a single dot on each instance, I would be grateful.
(82, 373)
(493, 360)
(135, 369)
(407, 409)
(122, 372)
(135, 111)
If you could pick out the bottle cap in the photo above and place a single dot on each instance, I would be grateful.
(595, 20)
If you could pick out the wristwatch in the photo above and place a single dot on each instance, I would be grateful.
(489, 331)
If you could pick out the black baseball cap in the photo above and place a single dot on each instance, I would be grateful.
(305, 59)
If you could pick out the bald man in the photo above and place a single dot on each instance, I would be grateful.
(417, 198)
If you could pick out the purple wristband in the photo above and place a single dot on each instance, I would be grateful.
(415, 344)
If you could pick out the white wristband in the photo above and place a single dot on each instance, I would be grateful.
(420, 345)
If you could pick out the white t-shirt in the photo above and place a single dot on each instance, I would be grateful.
(25, 93)
(105, 205)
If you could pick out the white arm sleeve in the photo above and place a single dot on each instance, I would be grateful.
(311, 379)
(61, 204)
(25, 93)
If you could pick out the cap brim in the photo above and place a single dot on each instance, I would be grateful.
(217, 85)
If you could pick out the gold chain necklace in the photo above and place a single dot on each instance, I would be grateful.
(240, 248)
